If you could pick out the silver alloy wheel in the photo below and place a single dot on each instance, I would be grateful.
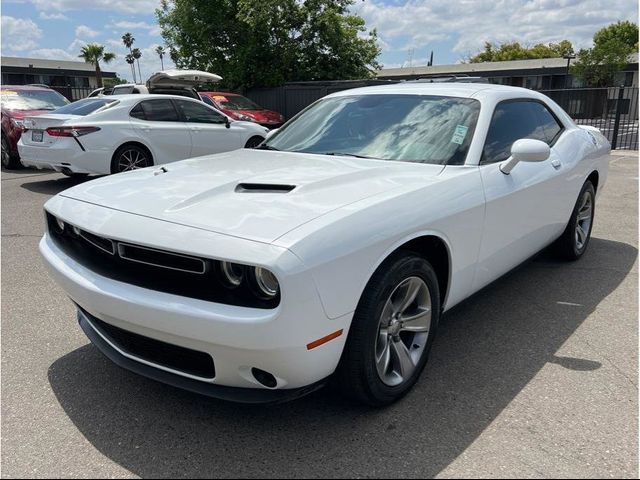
(131, 159)
(583, 223)
(403, 331)
(5, 153)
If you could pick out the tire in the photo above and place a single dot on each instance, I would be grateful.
(370, 370)
(574, 241)
(10, 160)
(130, 157)
(253, 142)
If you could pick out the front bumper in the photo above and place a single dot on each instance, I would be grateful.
(237, 338)
(240, 395)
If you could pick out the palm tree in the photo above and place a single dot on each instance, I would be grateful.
(94, 53)
(130, 60)
(161, 51)
(137, 54)
(127, 40)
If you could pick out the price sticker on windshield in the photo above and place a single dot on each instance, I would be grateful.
(459, 134)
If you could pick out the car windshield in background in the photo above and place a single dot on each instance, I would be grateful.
(31, 100)
(86, 106)
(410, 128)
(236, 102)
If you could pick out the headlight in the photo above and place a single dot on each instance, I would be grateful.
(60, 224)
(232, 273)
(245, 118)
(266, 282)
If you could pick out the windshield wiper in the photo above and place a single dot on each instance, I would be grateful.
(267, 147)
(341, 154)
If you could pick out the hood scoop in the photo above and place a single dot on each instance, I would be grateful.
(263, 188)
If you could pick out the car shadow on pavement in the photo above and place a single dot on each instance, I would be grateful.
(487, 350)
(55, 185)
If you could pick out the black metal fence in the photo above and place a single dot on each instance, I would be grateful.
(613, 110)
(73, 93)
(291, 98)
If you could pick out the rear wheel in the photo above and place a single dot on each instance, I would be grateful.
(9, 159)
(574, 241)
(253, 142)
(130, 157)
(391, 332)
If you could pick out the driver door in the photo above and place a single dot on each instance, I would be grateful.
(522, 214)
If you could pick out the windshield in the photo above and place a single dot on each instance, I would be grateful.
(85, 107)
(31, 99)
(409, 128)
(236, 102)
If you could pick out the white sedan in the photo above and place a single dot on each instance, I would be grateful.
(113, 134)
(334, 248)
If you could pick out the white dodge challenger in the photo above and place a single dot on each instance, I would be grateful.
(331, 251)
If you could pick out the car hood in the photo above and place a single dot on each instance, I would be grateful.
(254, 194)
(261, 115)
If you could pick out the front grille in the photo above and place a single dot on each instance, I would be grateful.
(171, 356)
(151, 268)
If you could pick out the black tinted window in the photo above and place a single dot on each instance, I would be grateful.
(197, 113)
(86, 106)
(138, 112)
(512, 121)
(551, 126)
(157, 111)
(122, 90)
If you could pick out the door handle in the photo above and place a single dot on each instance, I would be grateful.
(556, 163)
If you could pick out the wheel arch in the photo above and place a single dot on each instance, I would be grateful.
(594, 178)
(127, 143)
(433, 247)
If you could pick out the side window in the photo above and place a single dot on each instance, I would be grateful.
(207, 100)
(552, 128)
(156, 111)
(197, 113)
(511, 121)
(137, 112)
(122, 90)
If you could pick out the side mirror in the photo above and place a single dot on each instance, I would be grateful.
(270, 133)
(526, 150)
(227, 122)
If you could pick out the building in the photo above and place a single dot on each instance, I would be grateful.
(537, 74)
(73, 79)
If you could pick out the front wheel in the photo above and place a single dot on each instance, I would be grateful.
(391, 332)
(574, 241)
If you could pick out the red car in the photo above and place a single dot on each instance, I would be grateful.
(19, 101)
(241, 108)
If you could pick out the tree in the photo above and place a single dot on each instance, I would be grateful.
(269, 42)
(612, 46)
(130, 60)
(127, 40)
(161, 53)
(514, 51)
(94, 54)
(136, 54)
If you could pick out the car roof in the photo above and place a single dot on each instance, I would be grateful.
(133, 97)
(25, 87)
(223, 94)
(458, 89)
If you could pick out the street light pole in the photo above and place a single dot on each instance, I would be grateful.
(569, 57)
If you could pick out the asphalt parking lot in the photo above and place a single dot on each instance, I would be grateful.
(536, 376)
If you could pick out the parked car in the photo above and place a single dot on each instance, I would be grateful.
(169, 82)
(113, 134)
(241, 108)
(19, 101)
(334, 248)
